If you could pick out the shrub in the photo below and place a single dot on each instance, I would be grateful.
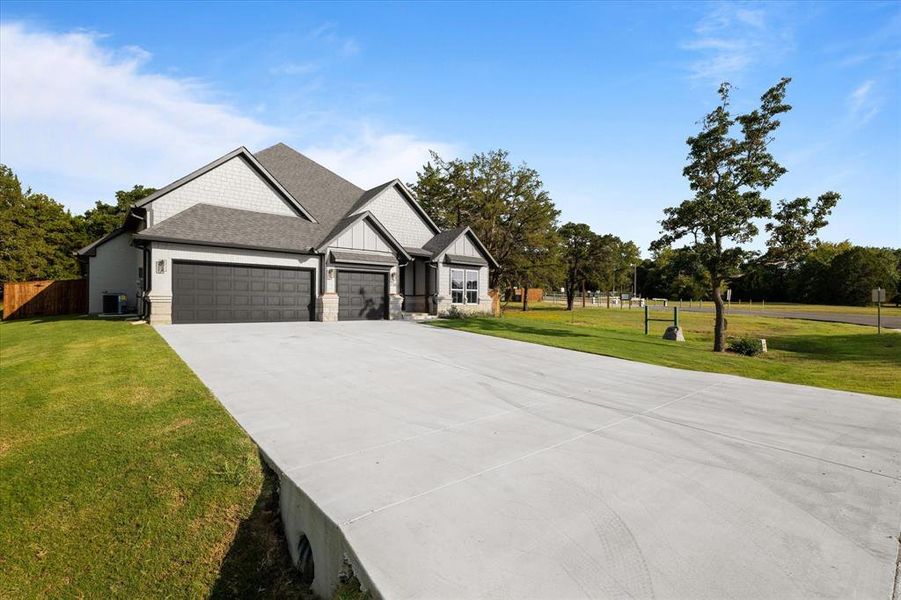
(454, 312)
(746, 346)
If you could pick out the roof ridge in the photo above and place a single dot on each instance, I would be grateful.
(302, 155)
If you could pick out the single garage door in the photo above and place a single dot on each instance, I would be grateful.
(218, 293)
(362, 295)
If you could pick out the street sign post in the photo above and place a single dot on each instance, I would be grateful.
(878, 296)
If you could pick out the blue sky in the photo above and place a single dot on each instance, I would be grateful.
(599, 98)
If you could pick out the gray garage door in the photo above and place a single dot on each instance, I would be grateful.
(362, 295)
(217, 293)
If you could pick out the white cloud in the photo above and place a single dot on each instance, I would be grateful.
(370, 158)
(327, 32)
(730, 39)
(295, 68)
(80, 120)
(89, 118)
(864, 102)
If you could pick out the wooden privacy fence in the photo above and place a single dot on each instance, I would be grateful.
(45, 297)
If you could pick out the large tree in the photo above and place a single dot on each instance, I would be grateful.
(578, 246)
(727, 175)
(506, 206)
(104, 218)
(37, 234)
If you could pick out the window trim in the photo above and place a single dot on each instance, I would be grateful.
(464, 291)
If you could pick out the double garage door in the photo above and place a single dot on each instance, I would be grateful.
(219, 293)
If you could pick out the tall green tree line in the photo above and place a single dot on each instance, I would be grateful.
(38, 235)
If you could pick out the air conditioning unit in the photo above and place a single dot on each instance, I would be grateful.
(114, 303)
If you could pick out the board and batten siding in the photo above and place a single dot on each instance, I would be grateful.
(114, 269)
(233, 184)
(395, 213)
(464, 247)
(361, 236)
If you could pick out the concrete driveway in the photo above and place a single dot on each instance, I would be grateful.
(453, 465)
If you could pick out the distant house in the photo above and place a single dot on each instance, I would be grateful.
(274, 236)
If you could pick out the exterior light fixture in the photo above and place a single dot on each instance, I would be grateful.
(161, 266)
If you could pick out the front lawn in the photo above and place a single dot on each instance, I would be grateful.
(121, 475)
(831, 355)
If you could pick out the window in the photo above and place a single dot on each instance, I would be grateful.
(464, 286)
(472, 287)
(456, 286)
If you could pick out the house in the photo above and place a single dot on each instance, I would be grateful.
(274, 236)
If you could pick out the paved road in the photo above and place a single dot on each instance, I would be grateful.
(453, 465)
(888, 322)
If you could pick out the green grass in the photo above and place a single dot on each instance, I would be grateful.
(121, 475)
(830, 355)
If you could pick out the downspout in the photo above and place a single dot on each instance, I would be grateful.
(145, 279)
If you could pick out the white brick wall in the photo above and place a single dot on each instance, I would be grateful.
(161, 283)
(398, 217)
(233, 184)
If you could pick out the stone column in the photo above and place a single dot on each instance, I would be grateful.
(328, 307)
(160, 309)
(395, 306)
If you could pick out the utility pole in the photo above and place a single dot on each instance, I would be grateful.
(634, 280)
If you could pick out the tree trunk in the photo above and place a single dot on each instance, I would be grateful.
(583, 294)
(570, 296)
(719, 327)
(525, 298)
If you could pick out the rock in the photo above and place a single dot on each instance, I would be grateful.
(673, 333)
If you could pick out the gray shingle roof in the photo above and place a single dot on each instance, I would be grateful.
(440, 242)
(420, 252)
(443, 240)
(210, 225)
(327, 196)
(459, 259)
(363, 258)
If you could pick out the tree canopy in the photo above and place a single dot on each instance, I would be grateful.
(104, 218)
(795, 226)
(505, 205)
(38, 236)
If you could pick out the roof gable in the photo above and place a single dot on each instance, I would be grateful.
(371, 195)
(347, 223)
(445, 242)
(245, 155)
